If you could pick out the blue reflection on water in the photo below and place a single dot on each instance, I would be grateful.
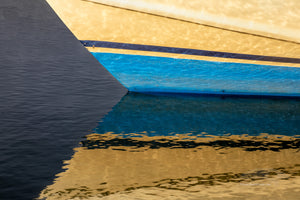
(165, 115)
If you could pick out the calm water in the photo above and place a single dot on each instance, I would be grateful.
(165, 115)
(187, 147)
(60, 137)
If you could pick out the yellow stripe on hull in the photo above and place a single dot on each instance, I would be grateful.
(185, 56)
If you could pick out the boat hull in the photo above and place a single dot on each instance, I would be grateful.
(151, 53)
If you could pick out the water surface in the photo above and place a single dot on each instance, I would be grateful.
(187, 147)
(52, 91)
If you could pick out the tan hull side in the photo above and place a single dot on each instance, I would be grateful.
(93, 21)
(277, 19)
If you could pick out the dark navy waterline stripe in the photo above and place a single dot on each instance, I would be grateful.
(116, 45)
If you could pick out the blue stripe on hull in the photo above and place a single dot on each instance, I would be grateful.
(160, 74)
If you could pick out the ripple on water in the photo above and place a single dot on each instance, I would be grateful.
(146, 149)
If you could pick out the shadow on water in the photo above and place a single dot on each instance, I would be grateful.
(165, 146)
(53, 91)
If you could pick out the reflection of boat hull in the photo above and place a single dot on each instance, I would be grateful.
(171, 115)
(123, 169)
(160, 147)
(150, 53)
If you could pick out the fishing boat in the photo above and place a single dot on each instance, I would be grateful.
(231, 47)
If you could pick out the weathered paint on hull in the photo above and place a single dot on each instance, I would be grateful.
(150, 53)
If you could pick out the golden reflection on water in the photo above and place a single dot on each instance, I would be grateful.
(135, 166)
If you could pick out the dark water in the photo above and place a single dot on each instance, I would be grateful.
(52, 92)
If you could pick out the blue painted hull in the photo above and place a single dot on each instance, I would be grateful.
(140, 73)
